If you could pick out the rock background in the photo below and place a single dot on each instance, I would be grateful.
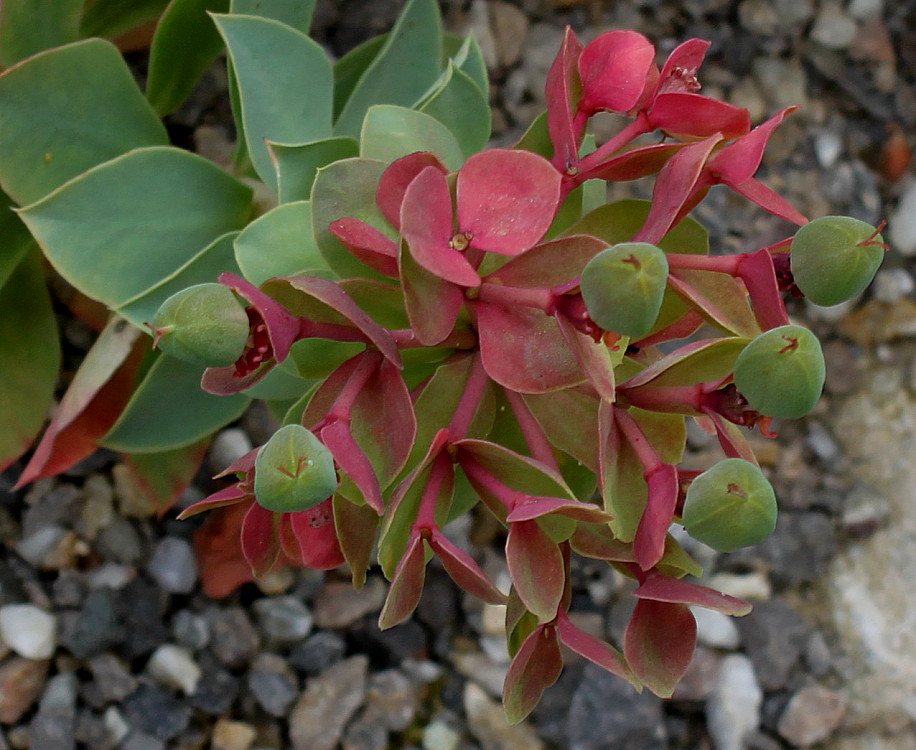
(106, 640)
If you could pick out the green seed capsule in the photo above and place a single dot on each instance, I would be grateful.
(203, 324)
(781, 372)
(623, 287)
(729, 506)
(293, 471)
(833, 258)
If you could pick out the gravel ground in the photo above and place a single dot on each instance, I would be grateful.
(106, 640)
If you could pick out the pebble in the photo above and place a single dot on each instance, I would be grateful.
(832, 27)
(153, 711)
(478, 23)
(902, 223)
(715, 629)
(606, 711)
(510, 25)
(142, 741)
(116, 724)
(232, 735)
(143, 606)
(753, 586)
(228, 446)
(439, 735)
(318, 652)
(701, 677)
(21, 682)
(54, 726)
(234, 640)
(110, 575)
(733, 709)
(190, 630)
(173, 565)
(338, 605)
(120, 541)
(273, 684)
(774, 636)
(480, 668)
(325, 706)
(173, 666)
(364, 733)
(283, 619)
(828, 147)
(29, 631)
(862, 9)
(891, 284)
(812, 715)
(391, 699)
(217, 688)
(112, 681)
(487, 722)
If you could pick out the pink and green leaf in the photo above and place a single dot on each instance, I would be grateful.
(317, 536)
(658, 644)
(649, 543)
(563, 90)
(406, 585)
(536, 666)
(463, 570)
(597, 652)
(536, 568)
(162, 477)
(661, 588)
(432, 303)
(367, 244)
(260, 543)
(549, 264)
(395, 180)
(358, 541)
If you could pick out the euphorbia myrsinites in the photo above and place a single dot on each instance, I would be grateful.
(507, 361)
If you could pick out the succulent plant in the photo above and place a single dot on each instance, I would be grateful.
(833, 258)
(781, 372)
(730, 505)
(293, 471)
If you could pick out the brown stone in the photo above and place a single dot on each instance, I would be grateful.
(21, 682)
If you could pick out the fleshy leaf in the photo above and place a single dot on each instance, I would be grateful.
(220, 499)
(662, 588)
(505, 336)
(367, 244)
(685, 113)
(162, 477)
(260, 543)
(463, 108)
(98, 114)
(598, 542)
(696, 362)
(97, 247)
(536, 666)
(718, 298)
(353, 462)
(184, 45)
(358, 542)
(218, 549)
(550, 263)
(463, 570)
(390, 132)
(432, 302)
(28, 27)
(506, 199)
(536, 567)
(658, 644)
(401, 71)
(739, 160)
(93, 401)
(569, 418)
(537, 507)
(598, 652)
(397, 178)
(563, 90)
(297, 14)
(649, 543)
(29, 356)
(297, 164)
(168, 410)
(426, 224)
(317, 535)
(289, 102)
(406, 585)
(614, 67)
(279, 243)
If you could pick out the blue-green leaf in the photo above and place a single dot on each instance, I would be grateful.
(298, 163)
(390, 132)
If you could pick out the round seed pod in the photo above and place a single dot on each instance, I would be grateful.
(623, 287)
(204, 324)
(729, 506)
(781, 372)
(293, 471)
(833, 258)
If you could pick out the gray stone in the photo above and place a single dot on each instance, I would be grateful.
(217, 688)
(701, 677)
(54, 726)
(143, 608)
(191, 630)
(151, 710)
(606, 710)
(812, 715)
(363, 733)
(338, 605)
(173, 565)
(318, 652)
(283, 619)
(112, 681)
(29, 631)
(902, 222)
(234, 640)
(96, 627)
(228, 446)
(273, 684)
(391, 700)
(120, 541)
(832, 27)
(891, 284)
(733, 709)
(318, 719)
(774, 636)
(715, 629)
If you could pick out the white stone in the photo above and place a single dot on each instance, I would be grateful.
(902, 223)
(863, 9)
(174, 667)
(715, 629)
(892, 283)
(115, 724)
(833, 28)
(228, 446)
(440, 736)
(733, 709)
(828, 146)
(754, 585)
(29, 631)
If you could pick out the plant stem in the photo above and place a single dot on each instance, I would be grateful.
(670, 399)
(531, 430)
(637, 439)
(470, 398)
(512, 296)
(343, 404)
(722, 263)
(634, 128)
(426, 512)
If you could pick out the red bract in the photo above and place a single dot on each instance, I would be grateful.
(614, 69)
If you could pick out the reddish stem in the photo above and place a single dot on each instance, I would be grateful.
(470, 398)
(634, 129)
(666, 398)
(721, 263)
(426, 512)
(343, 404)
(531, 430)
(637, 439)
(512, 296)
(506, 495)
